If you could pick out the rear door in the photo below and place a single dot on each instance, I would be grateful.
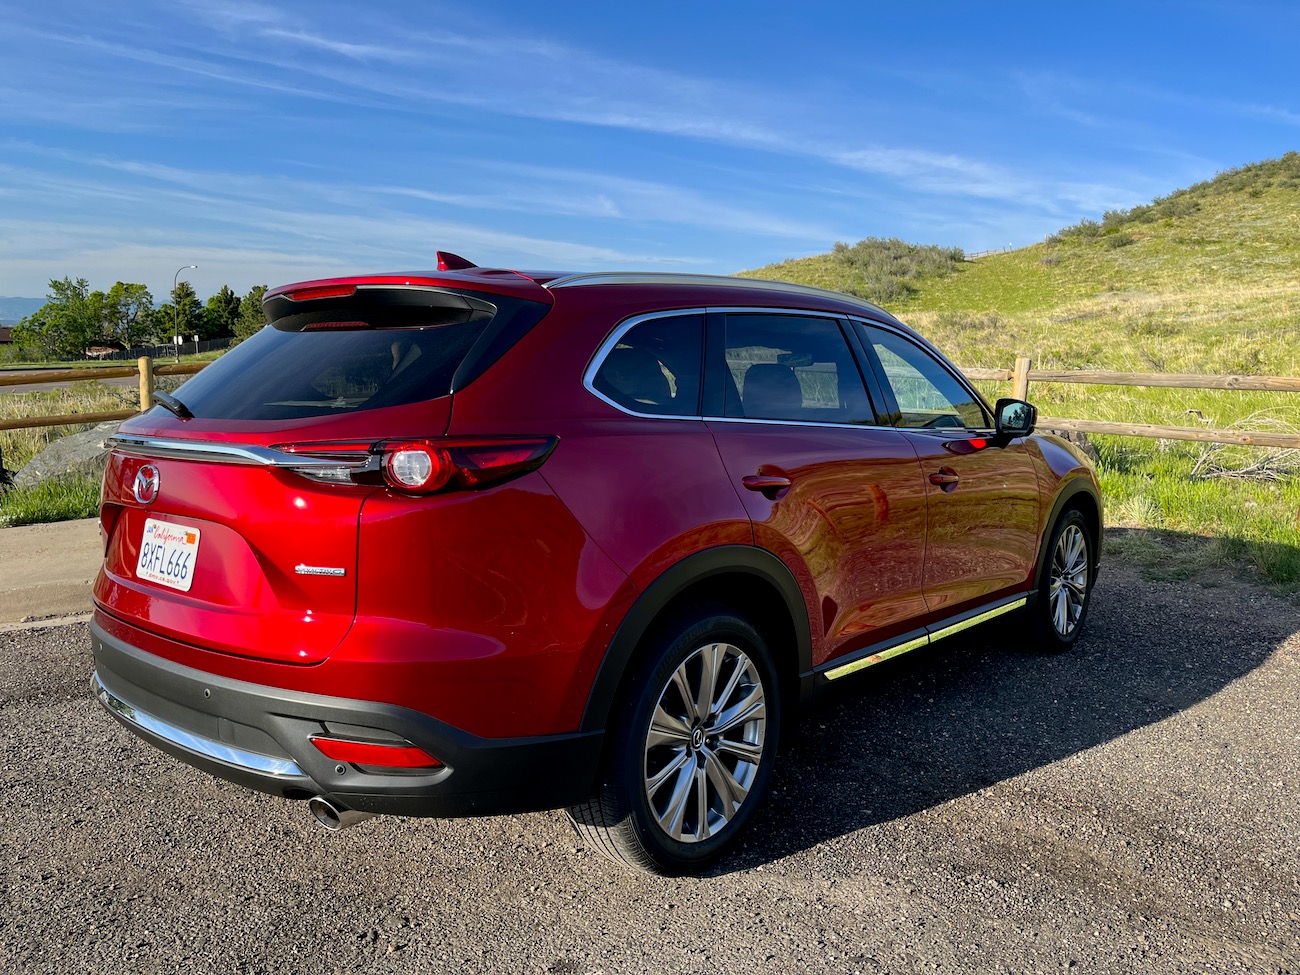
(834, 494)
(232, 520)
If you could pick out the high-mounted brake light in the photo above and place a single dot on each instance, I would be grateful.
(370, 753)
(324, 291)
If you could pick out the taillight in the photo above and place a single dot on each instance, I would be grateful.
(421, 466)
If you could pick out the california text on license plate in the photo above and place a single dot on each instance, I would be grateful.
(168, 554)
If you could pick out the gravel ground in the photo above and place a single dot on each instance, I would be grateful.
(1130, 806)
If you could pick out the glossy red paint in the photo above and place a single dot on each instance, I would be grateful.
(498, 609)
(851, 526)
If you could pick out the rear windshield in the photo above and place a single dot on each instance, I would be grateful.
(348, 355)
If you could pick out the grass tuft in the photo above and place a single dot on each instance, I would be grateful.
(56, 500)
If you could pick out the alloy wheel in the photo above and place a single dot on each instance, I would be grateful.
(705, 742)
(1068, 589)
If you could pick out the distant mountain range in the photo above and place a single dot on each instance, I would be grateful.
(14, 310)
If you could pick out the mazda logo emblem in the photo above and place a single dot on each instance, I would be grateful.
(145, 488)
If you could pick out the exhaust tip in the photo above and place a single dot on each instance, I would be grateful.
(332, 817)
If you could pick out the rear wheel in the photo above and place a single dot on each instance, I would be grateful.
(691, 758)
(1065, 588)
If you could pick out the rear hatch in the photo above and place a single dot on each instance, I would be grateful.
(231, 515)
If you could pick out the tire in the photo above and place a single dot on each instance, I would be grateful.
(1065, 588)
(680, 781)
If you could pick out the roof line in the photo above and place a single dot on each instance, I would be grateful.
(713, 280)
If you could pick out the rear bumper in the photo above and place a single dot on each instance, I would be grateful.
(259, 737)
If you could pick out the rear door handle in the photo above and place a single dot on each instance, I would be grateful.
(945, 477)
(765, 482)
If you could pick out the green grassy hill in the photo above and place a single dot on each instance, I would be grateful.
(1206, 279)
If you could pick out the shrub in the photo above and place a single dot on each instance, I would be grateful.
(881, 269)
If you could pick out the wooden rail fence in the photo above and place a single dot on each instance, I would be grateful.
(144, 368)
(1020, 376)
(1023, 373)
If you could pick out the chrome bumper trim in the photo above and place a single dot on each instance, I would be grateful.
(218, 751)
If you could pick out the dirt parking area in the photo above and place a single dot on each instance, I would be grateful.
(1131, 806)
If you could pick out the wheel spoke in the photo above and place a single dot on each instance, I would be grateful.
(729, 790)
(750, 708)
(701, 801)
(737, 675)
(710, 657)
(667, 729)
(688, 696)
(653, 782)
(674, 813)
(744, 750)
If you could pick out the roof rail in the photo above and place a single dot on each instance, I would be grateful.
(709, 280)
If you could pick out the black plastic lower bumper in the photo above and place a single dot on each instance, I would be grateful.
(259, 737)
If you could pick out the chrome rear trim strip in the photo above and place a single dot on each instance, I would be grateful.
(218, 751)
(220, 453)
(950, 629)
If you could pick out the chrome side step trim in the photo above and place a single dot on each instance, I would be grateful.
(938, 632)
(218, 751)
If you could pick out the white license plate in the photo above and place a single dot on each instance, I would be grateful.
(168, 554)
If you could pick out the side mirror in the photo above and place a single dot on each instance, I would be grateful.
(1015, 418)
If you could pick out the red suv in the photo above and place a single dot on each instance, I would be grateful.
(475, 541)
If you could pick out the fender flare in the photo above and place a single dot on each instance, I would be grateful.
(724, 560)
(1081, 483)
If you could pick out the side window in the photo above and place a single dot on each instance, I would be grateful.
(655, 367)
(790, 367)
(928, 394)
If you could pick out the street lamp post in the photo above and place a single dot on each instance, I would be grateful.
(176, 323)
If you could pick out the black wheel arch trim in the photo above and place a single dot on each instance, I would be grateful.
(1081, 483)
(723, 560)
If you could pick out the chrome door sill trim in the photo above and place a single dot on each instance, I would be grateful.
(879, 654)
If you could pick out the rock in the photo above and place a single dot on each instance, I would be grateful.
(78, 453)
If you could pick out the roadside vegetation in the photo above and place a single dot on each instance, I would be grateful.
(1204, 280)
(76, 322)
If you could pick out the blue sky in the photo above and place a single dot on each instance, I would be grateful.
(272, 142)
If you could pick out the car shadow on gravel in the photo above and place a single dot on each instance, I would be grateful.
(986, 706)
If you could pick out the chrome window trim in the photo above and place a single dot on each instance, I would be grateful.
(218, 751)
(219, 452)
(625, 326)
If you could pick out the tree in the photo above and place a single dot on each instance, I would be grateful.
(130, 316)
(187, 312)
(221, 314)
(251, 318)
(71, 319)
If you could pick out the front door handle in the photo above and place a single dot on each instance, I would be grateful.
(945, 478)
(765, 482)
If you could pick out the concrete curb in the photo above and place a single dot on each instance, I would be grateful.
(46, 571)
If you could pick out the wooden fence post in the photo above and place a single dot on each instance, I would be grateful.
(146, 382)
(1020, 378)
